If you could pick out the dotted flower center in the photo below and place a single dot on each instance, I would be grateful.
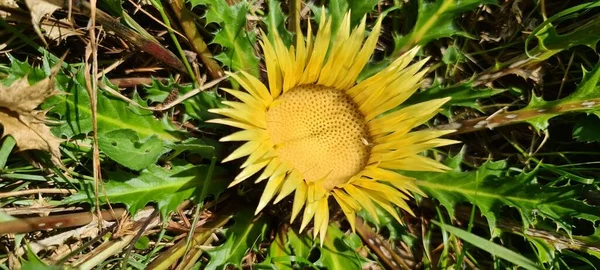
(320, 132)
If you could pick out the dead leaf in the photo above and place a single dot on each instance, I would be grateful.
(59, 30)
(9, 4)
(21, 120)
(39, 9)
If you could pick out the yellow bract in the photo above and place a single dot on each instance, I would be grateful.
(317, 133)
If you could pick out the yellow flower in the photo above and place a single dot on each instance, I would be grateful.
(316, 132)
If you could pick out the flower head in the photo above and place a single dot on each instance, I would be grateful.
(318, 133)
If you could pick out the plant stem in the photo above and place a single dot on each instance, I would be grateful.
(186, 20)
(158, 5)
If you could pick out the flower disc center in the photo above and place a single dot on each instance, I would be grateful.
(320, 132)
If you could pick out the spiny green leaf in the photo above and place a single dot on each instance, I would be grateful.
(196, 107)
(33, 262)
(246, 233)
(586, 98)
(490, 187)
(587, 129)
(239, 42)
(168, 187)
(275, 19)
(453, 55)
(491, 247)
(125, 147)
(587, 34)
(203, 147)
(337, 253)
(19, 69)
(436, 20)
(289, 249)
(338, 9)
(73, 109)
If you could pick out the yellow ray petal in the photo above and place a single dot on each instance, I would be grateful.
(402, 85)
(299, 200)
(249, 171)
(292, 182)
(400, 182)
(244, 150)
(273, 165)
(286, 62)
(333, 66)
(363, 200)
(398, 202)
(414, 163)
(246, 99)
(415, 115)
(311, 206)
(387, 104)
(415, 137)
(400, 150)
(246, 135)
(251, 84)
(348, 210)
(362, 57)
(253, 117)
(321, 215)
(372, 185)
(319, 51)
(264, 151)
(272, 65)
(365, 88)
(271, 188)
(384, 203)
(231, 122)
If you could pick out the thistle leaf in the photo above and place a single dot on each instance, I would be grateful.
(238, 43)
(491, 247)
(167, 187)
(490, 188)
(73, 108)
(125, 147)
(435, 20)
(246, 233)
(586, 98)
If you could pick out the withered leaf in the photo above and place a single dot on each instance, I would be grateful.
(20, 119)
(39, 9)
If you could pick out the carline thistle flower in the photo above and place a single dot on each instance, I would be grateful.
(315, 132)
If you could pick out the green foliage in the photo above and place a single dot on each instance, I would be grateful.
(125, 147)
(338, 8)
(19, 69)
(490, 247)
(204, 148)
(339, 251)
(168, 187)
(586, 98)
(233, 36)
(291, 250)
(73, 109)
(587, 129)
(490, 187)
(275, 19)
(245, 234)
(435, 20)
(587, 34)
(33, 262)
